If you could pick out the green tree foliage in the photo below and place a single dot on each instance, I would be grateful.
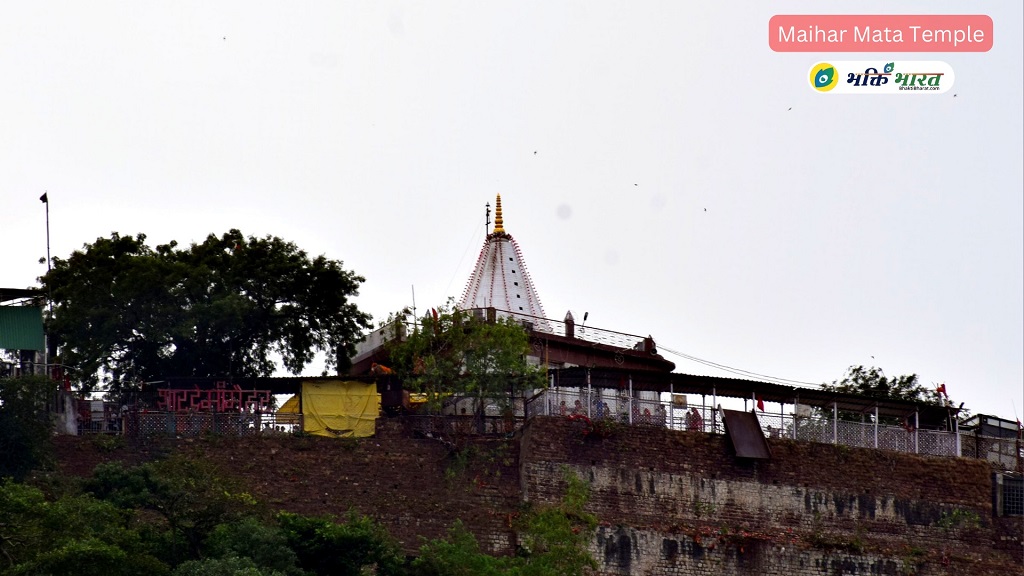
(556, 542)
(125, 312)
(557, 538)
(453, 353)
(25, 424)
(252, 538)
(187, 497)
(873, 383)
(177, 517)
(342, 549)
(459, 555)
(231, 566)
(73, 535)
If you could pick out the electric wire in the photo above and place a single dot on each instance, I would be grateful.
(475, 235)
(738, 371)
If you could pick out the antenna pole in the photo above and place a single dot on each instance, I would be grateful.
(487, 230)
(45, 199)
(414, 320)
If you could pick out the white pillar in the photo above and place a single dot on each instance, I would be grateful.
(671, 404)
(916, 425)
(796, 402)
(589, 393)
(956, 430)
(835, 423)
(876, 425)
(714, 410)
(631, 400)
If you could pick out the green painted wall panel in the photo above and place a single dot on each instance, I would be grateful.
(21, 328)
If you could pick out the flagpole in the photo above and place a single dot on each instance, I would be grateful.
(45, 199)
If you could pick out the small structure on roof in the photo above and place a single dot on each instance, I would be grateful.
(21, 330)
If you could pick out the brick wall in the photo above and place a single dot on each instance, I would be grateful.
(680, 503)
(668, 502)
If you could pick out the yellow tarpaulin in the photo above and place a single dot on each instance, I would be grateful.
(340, 408)
(291, 406)
(288, 413)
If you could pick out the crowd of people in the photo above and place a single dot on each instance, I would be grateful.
(640, 414)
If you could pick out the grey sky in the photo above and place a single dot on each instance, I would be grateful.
(374, 132)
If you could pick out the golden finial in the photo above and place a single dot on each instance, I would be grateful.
(498, 228)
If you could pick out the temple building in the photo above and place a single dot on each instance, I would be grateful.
(500, 286)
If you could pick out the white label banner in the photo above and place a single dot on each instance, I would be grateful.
(881, 77)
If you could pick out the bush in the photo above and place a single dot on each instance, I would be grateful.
(326, 547)
(25, 425)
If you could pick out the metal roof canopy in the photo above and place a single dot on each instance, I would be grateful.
(11, 294)
(929, 415)
(275, 384)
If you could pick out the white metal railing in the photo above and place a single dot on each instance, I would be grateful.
(587, 333)
(620, 405)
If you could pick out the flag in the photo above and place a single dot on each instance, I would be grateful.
(760, 403)
(44, 199)
(942, 390)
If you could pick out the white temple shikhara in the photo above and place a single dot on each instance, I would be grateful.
(500, 279)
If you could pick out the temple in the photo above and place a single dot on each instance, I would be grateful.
(500, 279)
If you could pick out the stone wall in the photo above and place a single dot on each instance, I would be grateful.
(680, 503)
(668, 502)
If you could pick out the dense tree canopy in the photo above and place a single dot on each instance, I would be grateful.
(124, 312)
(873, 383)
(451, 352)
(25, 424)
(178, 517)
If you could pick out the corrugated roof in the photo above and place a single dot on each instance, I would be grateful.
(11, 294)
(21, 328)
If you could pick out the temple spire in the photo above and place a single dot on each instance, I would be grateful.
(498, 227)
(500, 279)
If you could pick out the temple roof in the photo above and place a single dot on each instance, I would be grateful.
(500, 279)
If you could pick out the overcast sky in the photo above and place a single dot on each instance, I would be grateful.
(660, 167)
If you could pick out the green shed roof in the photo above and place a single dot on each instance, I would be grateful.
(21, 328)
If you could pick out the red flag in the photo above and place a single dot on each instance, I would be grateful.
(760, 403)
(942, 390)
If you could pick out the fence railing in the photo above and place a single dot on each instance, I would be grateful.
(190, 424)
(580, 332)
(457, 416)
(598, 403)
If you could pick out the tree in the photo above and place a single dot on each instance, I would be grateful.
(451, 352)
(358, 546)
(25, 424)
(556, 542)
(187, 496)
(71, 535)
(873, 383)
(124, 312)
